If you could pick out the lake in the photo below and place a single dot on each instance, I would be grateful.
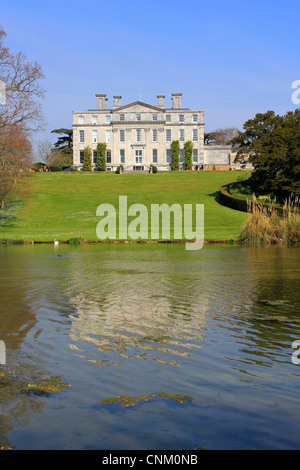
(149, 347)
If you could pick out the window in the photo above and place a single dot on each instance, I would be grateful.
(195, 135)
(154, 135)
(81, 120)
(108, 156)
(81, 156)
(95, 157)
(81, 136)
(138, 135)
(154, 117)
(168, 155)
(181, 156)
(107, 119)
(195, 117)
(108, 137)
(168, 117)
(95, 137)
(168, 135)
(181, 135)
(122, 117)
(154, 155)
(195, 155)
(181, 117)
(95, 119)
(138, 117)
(122, 135)
(122, 156)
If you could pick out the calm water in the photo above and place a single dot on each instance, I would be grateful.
(161, 348)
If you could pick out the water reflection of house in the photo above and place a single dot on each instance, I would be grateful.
(137, 312)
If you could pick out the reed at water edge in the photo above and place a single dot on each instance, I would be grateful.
(269, 224)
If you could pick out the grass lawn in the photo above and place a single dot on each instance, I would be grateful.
(62, 206)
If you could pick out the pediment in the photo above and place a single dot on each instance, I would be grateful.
(138, 107)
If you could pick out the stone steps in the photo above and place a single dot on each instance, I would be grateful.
(135, 171)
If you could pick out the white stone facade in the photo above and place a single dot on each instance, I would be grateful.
(138, 135)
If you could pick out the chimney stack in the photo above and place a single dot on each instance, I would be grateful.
(176, 98)
(101, 101)
(161, 101)
(117, 101)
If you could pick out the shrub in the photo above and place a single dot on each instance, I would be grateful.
(87, 163)
(101, 156)
(152, 169)
(75, 241)
(188, 155)
(175, 150)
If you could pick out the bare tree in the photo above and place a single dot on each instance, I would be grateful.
(20, 151)
(22, 90)
(20, 114)
(44, 151)
(60, 159)
(15, 157)
(6, 180)
(222, 136)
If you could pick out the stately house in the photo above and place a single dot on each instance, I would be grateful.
(139, 135)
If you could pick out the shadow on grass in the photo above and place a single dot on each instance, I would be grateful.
(8, 214)
(216, 195)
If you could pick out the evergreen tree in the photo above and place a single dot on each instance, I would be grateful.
(175, 150)
(101, 156)
(188, 155)
(87, 164)
(65, 142)
(273, 145)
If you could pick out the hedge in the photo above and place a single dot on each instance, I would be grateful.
(240, 204)
(231, 201)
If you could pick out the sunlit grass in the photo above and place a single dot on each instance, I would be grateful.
(63, 205)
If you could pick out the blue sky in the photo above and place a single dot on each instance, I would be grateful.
(230, 58)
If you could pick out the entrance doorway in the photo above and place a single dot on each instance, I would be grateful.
(138, 160)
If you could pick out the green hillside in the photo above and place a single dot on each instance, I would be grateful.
(62, 206)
